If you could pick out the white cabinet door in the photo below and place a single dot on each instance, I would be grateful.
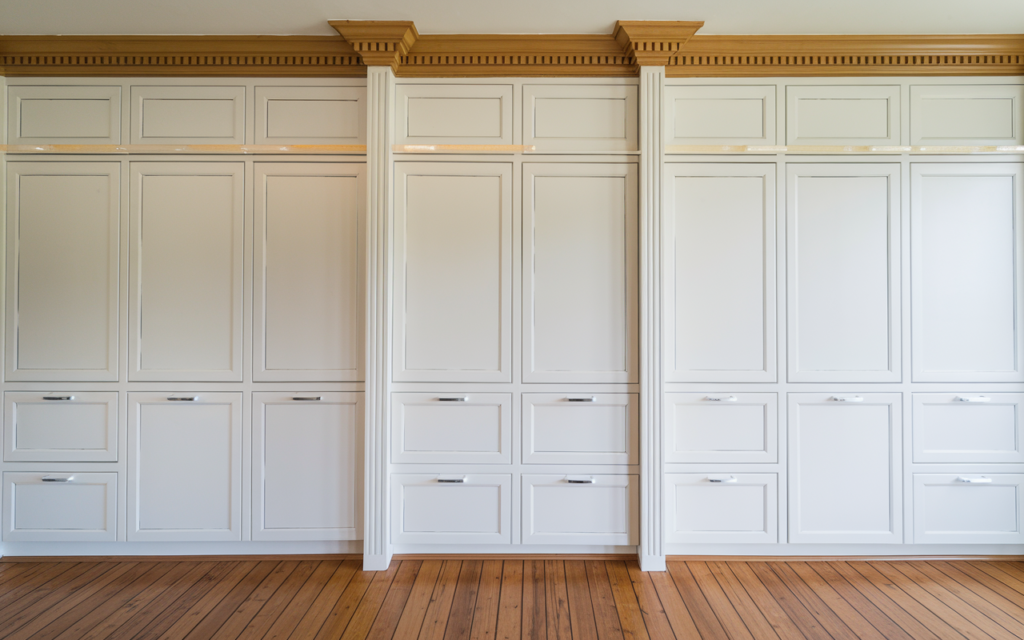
(967, 114)
(967, 266)
(308, 276)
(581, 428)
(969, 508)
(60, 507)
(843, 115)
(63, 114)
(188, 115)
(186, 258)
(307, 466)
(722, 427)
(719, 115)
(722, 507)
(564, 118)
(453, 272)
(310, 115)
(451, 428)
(581, 509)
(968, 427)
(719, 239)
(843, 257)
(580, 273)
(453, 509)
(62, 270)
(78, 426)
(844, 468)
(453, 113)
(184, 466)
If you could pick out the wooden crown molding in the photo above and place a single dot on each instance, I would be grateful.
(653, 43)
(378, 42)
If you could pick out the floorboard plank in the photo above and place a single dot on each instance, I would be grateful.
(809, 625)
(369, 606)
(913, 618)
(244, 613)
(435, 621)
(535, 625)
(11, 570)
(703, 615)
(675, 609)
(232, 600)
(290, 617)
(581, 609)
(827, 618)
(267, 615)
(383, 627)
(975, 595)
(653, 612)
(460, 619)
(195, 614)
(631, 619)
(720, 604)
(415, 611)
(885, 622)
(757, 624)
(606, 615)
(510, 607)
(340, 616)
(1012, 588)
(29, 581)
(161, 612)
(776, 616)
(556, 601)
(983, 584)
(485, 616)
(829, 597)
(314, 618)
(27, 599)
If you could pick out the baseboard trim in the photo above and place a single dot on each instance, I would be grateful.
(611, 557)
(190, 558)
(879, 558)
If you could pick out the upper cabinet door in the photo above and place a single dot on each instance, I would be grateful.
(719, 239)
(967, 236)
(62, 270)
(186, 263)
(308, 284)
(967, 114)
(843, 259)
(842, 115)
(453, 114)
(601, 118)
(714, 115)
(453, 272)
(579, 273)
(310, 115)
(188, 115)
(63, 114)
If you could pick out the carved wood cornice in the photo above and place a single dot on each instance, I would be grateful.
(380, 43)
(653, 43)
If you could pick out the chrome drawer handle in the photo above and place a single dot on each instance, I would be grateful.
(720, 399)
(58, 478)
(454, 399)
(722, 479)
(58, 398)
(581, 479)
(307, 398)
(184, 399)
(588, 399)
(974, 480)
(845, 399)
(972, 399)
(452, 479)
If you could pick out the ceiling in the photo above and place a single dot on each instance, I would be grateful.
(309, 17)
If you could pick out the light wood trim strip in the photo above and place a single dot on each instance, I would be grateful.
(211, 558)
(463, 148)
(839, 150)
(935, 558)
(200, 149)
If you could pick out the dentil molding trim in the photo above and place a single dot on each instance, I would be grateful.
(398, 45)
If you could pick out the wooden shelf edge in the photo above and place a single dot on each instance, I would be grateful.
(191, 149)
(833, 150)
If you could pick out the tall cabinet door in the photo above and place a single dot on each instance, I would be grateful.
(453, 272)
(186, 256)
(62, 270)
(845, 456)
(579, 273)
(185, 475)
(308, 281)
(967, 266)
(719, 229)
(843, 261)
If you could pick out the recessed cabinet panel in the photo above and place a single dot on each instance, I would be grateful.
(968, 427)
(580, 428)
(580, 117)
(585, 509)
(967, 226)
(62, 270)
(453, 272)
(843, 259)
(185, 479)
(452, 509)
(580, 291)
(718, 115)
(60, 507)
(722, 507)
(968, 508)
(843, 115)
(966, 114)
(844, 468)
(720, 273)
(72, 426)
(185, 318)
(307, 466)
(308, 279)
(722, 427)
(451, 427)
(188, 115)
(453, 114)
(63, 115)
(310, 115)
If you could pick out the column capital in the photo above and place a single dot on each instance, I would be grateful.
(652, 43)
(378, 42)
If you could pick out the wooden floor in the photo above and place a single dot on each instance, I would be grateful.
(552, 599)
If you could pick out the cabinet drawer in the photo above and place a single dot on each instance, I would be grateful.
(966, 114)
(967, 427)
(722, 507)
(453, 114)
(451, 427)
(968, 508)
(43, 507)
(188, 115)
(60, 427)
(722, 427)
(580, 117)
(475, 510)
(720, 115)
(580, 428)
(64, 115)
(580, 509)
(830, 115)
(310, 115)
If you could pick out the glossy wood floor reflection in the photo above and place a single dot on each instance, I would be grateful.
(494, 599)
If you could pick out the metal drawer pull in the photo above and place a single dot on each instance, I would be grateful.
(722, 479)
(452, 479)
(58, 397)
(307, 398)
(455, 399)
(720, 399)
(581, 479)
(588, 399)
(184, 399)
(58, 478)
(972, 399)
(974, 480)
(846, 399)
